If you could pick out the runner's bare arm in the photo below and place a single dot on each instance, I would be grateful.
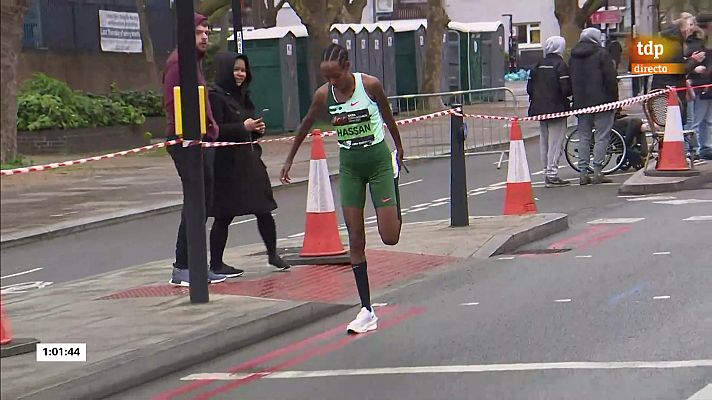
(375, 89)
(317, 106)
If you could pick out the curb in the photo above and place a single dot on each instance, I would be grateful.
(62, 229)
(536, 230)
(140, 366)
(637, 185)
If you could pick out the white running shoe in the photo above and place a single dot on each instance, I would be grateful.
(365, 321)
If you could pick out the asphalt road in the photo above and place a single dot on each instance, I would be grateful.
(629, 300)
(153, 238)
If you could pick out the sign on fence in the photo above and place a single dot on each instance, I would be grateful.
(120, 32)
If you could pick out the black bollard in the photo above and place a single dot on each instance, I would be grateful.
(194, 189)
(459, 214)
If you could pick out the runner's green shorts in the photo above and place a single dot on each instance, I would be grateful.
(370, 165)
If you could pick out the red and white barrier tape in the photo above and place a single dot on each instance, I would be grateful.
(189, 143)
(86, 160)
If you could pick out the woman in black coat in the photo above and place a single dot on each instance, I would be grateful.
(242, 186)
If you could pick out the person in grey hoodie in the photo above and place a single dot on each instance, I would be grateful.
(549, 89)
(593, 79)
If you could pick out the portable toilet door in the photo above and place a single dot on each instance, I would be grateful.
(375, 52)
(335, 36)
(348, 38)
(493, 66)
(419, 56)
(407, 63)
(363, 61)
(290, 85)
(389, 61)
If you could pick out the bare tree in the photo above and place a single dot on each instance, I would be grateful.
(12, 14)
(572, 18)
(351, 12)
(432, 70)
(147, 41)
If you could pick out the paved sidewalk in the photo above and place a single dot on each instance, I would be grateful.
(138, 328)
(641, 183)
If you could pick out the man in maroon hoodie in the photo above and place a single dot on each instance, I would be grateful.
(171, 78)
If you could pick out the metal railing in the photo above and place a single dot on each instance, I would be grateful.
(431, 138)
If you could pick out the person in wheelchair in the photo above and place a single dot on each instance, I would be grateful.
(635, 142)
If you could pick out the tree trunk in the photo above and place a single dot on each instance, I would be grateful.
(432, 70)
(147, 41)
(351, 12)
(224, 30)
(317, 16)
(12, 16)
(572, 19)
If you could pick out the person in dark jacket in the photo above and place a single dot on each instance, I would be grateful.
(242, 186)
(549, 89)
(171, 78)
(593, 80)
(702, 75)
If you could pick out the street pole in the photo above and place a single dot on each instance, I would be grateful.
(193, 189)
(511, 42)
(237, 25)
(608, 29)
(459, 213)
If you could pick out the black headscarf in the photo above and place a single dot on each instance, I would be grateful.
(225, 78)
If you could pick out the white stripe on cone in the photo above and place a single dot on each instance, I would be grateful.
(673, 125)
(319, 195)
(518, 169)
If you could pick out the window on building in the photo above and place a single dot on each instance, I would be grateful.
(529, 34)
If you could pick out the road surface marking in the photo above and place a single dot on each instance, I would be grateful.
(506, 258)
(410, 183)
(24, 287)
(586, 256)
(615, 221)
(502, 183)
(683, 202)
(21, 273)
(379, 304)
(442, 199)
(438, 204)
(699, 218)
(421, 205)
(469, 304)
(634, 290)
(661, 253)
(296, 235)
(242, 222)
(661, 297)
(459, 369)
(629, 196)
(652, 198)
(704, 394)
(372, 217)
(562, 300)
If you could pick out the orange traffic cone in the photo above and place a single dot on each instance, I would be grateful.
(5, 334)
(519, 198)
(321, 235)
(672, 151)
(9, 346)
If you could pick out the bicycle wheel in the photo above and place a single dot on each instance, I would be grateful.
(616, 151)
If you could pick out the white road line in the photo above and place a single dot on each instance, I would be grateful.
(683, 202)
(631, 196)
(506, 258)
(21, 273)
(421, 205)
(661, 253)
(372, 217)
(296, 235)
(586, 256)
(652, 198)
(409, 183)
(418, 209)
(498, 184)
(563, 301)
(699, 218)
(242, 222)
(379, 304)
(661, 297)
(441, 199)
(460, 369)
(616, 221)
(469, 304)
(704, 394)
(438, 204)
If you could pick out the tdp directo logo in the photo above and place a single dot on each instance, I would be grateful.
(656, 55)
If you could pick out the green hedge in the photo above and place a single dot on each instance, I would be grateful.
(47, 103)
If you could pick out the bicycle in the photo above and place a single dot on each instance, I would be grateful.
(616, 151)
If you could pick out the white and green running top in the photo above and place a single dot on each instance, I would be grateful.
(357, 121)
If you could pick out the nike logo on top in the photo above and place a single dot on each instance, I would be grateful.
(354, 103)
(387, 199)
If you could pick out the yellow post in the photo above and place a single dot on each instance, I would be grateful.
(177, 111)
(203, 110)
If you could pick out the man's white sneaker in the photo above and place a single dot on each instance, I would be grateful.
(365, 321)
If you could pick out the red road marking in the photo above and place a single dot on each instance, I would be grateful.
(590, 237)
(608, 234)
(306, 356)
(168, 395)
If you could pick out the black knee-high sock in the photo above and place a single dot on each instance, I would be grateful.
(268, 231)
(362, 284)
(398, 204)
